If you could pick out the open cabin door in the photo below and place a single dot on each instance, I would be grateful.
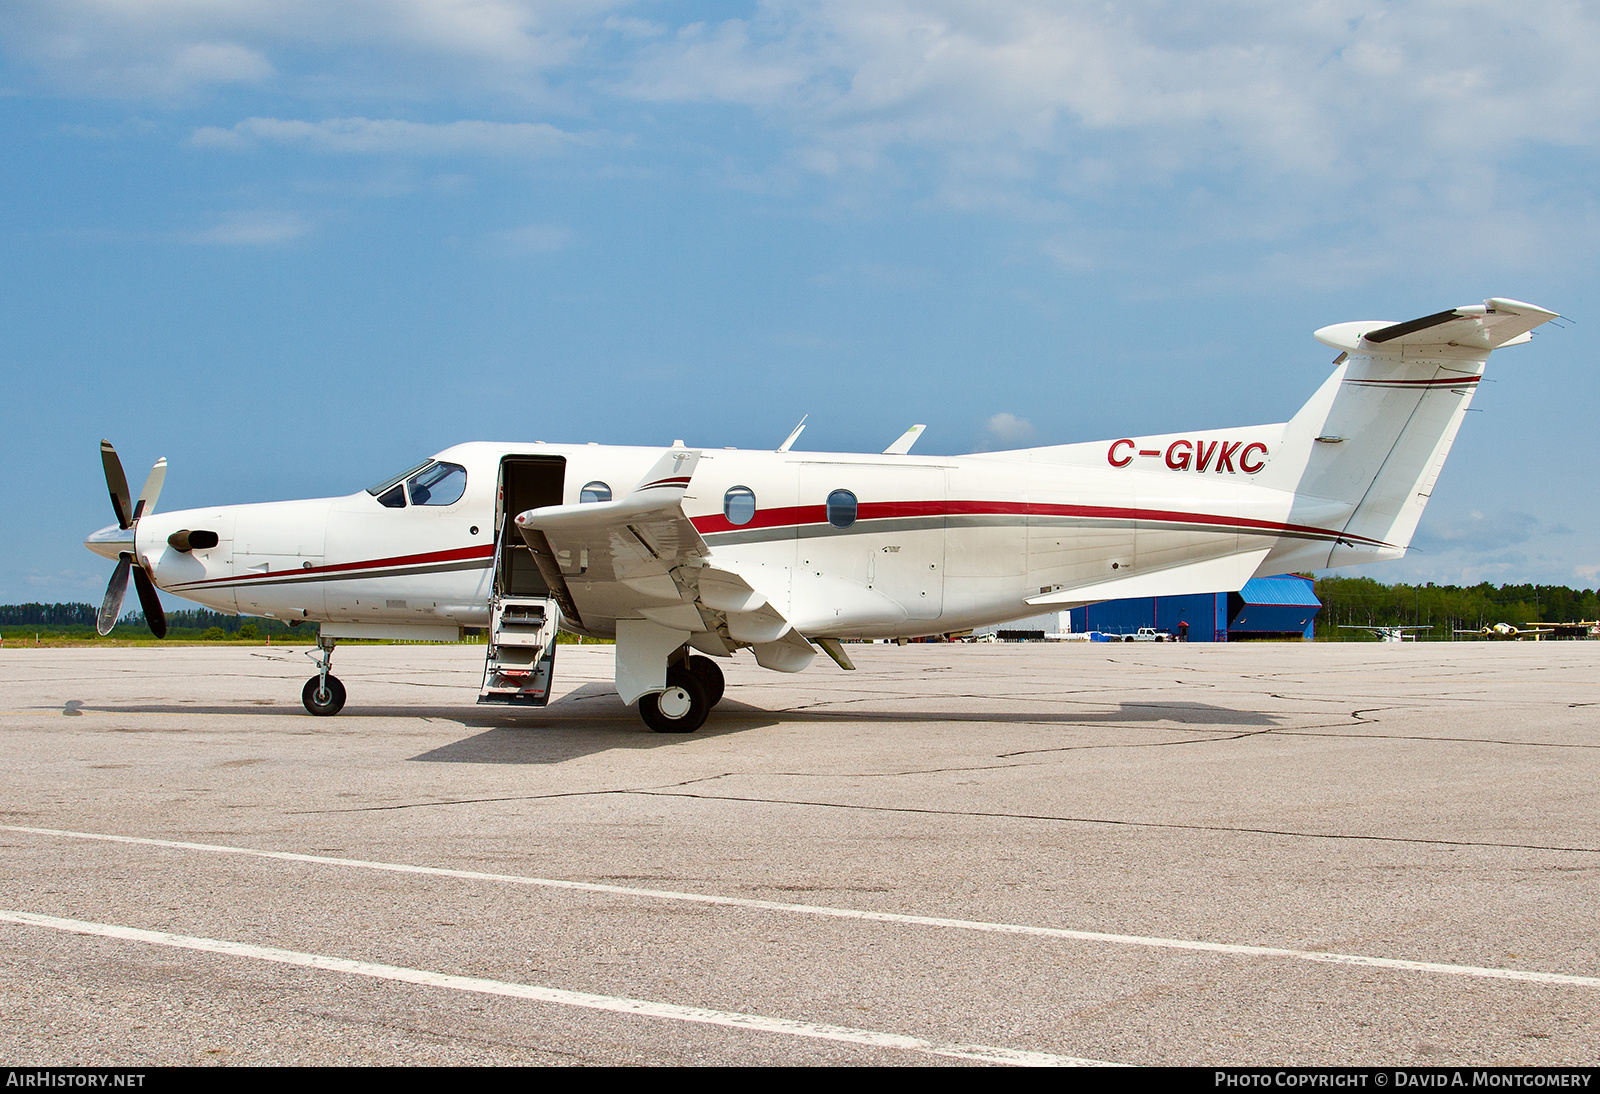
(523, 618)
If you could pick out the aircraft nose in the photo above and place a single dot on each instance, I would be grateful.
(110, 542)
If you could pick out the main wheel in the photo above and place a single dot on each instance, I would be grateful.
(323, 702)
(709, 673)
(682, 708)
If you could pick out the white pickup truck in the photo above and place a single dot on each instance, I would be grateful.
(1148, 634)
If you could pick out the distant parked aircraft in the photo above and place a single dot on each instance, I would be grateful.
(1510, 630)
(1387, 634)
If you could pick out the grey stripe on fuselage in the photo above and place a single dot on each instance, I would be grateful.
(994, 520)
(289, 577)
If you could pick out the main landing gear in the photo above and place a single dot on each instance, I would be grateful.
(694, 686)
(323, 694)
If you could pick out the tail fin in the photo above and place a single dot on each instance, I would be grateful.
(1372, 440)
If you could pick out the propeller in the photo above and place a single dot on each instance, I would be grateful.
(128, 512)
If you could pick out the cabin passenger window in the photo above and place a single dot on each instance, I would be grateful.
(841, 508)
(739, 505)
(594, 491)
(438, 484)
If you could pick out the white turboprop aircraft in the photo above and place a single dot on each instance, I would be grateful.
(1387, 634)
(715, 551)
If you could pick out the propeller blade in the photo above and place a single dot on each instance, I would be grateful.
(115, 591)
(117, 483)
(152, 489)
(150, 602)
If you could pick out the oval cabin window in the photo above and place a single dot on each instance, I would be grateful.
(841, 508)
(739, 505)
(594, 491)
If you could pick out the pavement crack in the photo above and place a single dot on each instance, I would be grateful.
(463, 801)
(1143, 744)
(1120, 823)
(1308, 732)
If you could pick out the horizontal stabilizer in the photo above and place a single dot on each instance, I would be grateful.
(1494, 323)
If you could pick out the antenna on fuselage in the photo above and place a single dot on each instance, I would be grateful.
(905, 441)
(784, 447)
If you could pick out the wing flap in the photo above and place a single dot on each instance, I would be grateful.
(791, 653)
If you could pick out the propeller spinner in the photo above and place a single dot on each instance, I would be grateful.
(121, 541)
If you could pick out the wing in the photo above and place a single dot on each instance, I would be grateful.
(636, 567)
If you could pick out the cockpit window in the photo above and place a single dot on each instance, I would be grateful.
(437, 484)
(393, 498)
(395, 480)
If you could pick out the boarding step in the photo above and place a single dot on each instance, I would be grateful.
(520, 660)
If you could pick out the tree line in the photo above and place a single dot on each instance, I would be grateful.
(1361, 601)
(79, 619)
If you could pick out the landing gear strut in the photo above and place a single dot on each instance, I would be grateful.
(323, 695)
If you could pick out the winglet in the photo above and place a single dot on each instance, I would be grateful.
(907, 439)
(784, 447)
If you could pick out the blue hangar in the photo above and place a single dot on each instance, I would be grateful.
(1267, 607)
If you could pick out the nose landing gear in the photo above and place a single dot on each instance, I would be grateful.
(323, 694)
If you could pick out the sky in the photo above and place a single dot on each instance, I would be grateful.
(297, 246)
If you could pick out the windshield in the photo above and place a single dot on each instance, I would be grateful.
(396, 480)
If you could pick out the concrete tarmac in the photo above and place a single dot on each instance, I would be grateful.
(1340, 854)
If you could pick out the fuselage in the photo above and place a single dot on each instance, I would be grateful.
(910, 545)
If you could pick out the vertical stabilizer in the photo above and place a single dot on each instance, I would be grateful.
(1371, 442)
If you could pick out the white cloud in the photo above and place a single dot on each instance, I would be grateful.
(259, 229)
(1009, 429)
(368, 136)
(164, 48)
(1379, 124)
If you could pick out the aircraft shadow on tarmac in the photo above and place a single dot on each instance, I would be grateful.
(589, 719)
(593, 718)
(596, 706)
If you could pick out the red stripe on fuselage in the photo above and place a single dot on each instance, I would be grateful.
(460, 554)
(797, 515)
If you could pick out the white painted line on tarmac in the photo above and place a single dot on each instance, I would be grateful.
(822, 910)
(615, 1004)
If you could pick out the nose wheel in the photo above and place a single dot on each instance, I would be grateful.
(323, 694)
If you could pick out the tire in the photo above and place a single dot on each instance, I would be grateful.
(682, 708)
(709, 673)
(325, 705)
